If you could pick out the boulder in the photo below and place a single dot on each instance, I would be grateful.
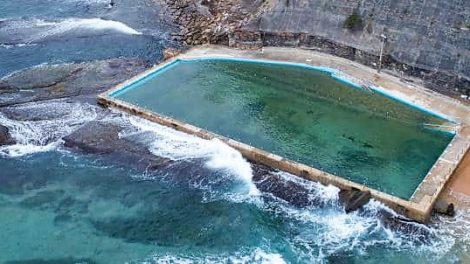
(170, 53)
(5, 137)
(403, 225)
(353, 199)
(268, 182)
(444, 207)
(103, 138)
(47, 82)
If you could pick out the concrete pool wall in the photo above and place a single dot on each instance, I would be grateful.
(419, 207)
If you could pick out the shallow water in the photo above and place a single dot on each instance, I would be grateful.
(300, 114)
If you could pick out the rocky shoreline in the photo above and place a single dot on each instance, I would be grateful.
(210, 22)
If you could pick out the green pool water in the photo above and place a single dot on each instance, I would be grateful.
(301, 114)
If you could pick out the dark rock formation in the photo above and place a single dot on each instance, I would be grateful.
(444, 207)
(210, 21)
(66, 80)
(103, 138)
(353, 199)
(289, 191)
(404, 226)
(5, 137)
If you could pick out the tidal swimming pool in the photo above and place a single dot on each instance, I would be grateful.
(300, 113)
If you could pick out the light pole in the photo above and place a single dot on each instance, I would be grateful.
(383, 38)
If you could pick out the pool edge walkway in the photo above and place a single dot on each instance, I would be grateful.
(419, 207)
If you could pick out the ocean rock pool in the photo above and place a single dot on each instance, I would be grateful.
(302, 114)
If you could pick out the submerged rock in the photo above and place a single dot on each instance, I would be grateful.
(5, 137)
(353, 199)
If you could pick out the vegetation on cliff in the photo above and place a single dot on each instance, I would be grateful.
(354, 21)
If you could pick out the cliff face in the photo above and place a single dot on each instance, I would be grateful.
(429, 39)
(432, 36)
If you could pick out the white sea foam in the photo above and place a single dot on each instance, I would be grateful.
(359, 232)
(18, 45)
(40, 135)
(30, 31)
(56, 28)
(455, 232)
(257, 256)
(90, 1)
(178, 146)
(327, 193)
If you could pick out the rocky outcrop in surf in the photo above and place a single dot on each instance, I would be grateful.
(103, 138)
(354, 199)
(46, 82)
(42, 104)
(5, 137)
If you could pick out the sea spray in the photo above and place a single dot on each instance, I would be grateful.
(257, 256)
(337, 232)
(87, 23)
(181, 146)
(44, 133)
(38, 30)
(328, 194)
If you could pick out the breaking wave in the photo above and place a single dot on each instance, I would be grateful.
(43, 132)
(177, 145)
(337, 233)
(88, 23)
(18, 45)
(22, 32)
(258, 256)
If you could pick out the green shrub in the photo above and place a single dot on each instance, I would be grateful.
(354, 21)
